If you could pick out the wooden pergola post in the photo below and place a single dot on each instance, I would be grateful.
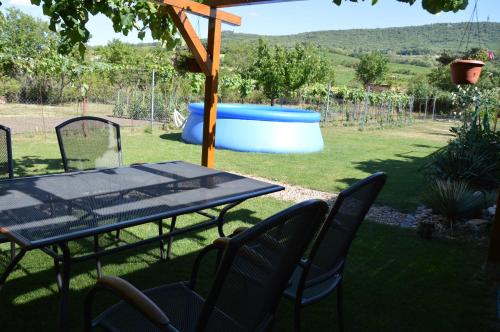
(211, 94)
(208, 59)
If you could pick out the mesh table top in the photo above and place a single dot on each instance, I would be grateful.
(37, 211)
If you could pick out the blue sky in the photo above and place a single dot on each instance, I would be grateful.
(302, 16)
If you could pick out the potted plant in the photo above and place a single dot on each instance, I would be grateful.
(466, 69)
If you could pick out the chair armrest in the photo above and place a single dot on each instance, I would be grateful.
(218, 244)
(239, 230)
(130, 294)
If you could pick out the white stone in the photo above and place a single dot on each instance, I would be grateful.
(478, 222)
(492, 210)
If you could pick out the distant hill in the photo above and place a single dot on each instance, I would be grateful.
(412, 40)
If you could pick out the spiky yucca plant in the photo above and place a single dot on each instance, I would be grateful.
(452, 199)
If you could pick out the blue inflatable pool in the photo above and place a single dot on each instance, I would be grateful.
(258, 128)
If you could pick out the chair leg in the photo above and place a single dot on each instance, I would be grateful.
(296, 317)
(171, 238)
(117, 234)
(340, 312)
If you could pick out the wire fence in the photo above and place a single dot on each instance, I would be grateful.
(27, 116)
(152, 103)
(364, 115)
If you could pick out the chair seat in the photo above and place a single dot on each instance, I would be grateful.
(314, 292)
(179, 303)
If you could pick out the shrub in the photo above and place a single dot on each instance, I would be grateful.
(453, 199)
(474, 156)
(9, 88)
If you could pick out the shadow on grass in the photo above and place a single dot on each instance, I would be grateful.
(30, 165)
(29, 300)
(405, 182)
(381, 255)
(176, 137)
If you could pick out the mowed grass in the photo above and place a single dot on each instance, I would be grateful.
(393, 282)
(349, 155)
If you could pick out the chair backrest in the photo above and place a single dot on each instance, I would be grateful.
(89, 142)
(6, 161)
(256, 266)
(328, 253)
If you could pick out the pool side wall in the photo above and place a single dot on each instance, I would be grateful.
(258, 136)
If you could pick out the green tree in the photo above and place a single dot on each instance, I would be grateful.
(280, 71)
(440, 78)
(432, 6)
(372, 68)
(24, 40)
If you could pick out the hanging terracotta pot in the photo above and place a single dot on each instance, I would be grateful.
(466, 71)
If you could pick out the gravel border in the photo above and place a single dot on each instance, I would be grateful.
(382, 214)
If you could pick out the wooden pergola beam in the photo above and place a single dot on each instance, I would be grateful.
(194, 43)
(234, 3)
(204, 10)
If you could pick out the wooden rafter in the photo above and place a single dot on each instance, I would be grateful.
(203, 10)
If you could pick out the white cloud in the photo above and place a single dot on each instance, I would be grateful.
(20, 2)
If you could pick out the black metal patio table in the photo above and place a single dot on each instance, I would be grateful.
(47, 212)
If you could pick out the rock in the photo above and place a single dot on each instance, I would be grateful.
(492, 210)
(420, 209)
(409, 222)
(477, 223)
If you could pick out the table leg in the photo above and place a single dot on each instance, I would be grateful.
(220, 218)
(12, 264)
(98, 259)
(171, 238)
(162, 242)
(64, 293)
(12, 250)
(57, 268)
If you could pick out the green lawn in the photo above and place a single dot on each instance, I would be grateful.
(394, 281)
(349, 155)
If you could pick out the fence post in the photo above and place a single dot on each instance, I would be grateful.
(328, 100)
(152, 100)
(363, 116)
(425, 109)
(433, 108)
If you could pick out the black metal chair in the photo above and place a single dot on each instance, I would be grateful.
(6, 170)
(321, 272)
(89, 142)
(253, 272)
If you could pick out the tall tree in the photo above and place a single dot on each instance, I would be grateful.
(372, 68)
